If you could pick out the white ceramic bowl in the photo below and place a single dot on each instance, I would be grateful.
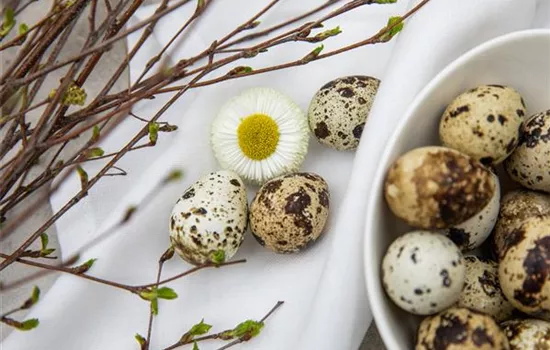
(520, 60)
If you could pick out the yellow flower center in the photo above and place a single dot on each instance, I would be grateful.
(258, 136)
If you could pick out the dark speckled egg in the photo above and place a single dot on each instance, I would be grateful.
(339, 110)
(290, 212)
(524, 269)
(460, 329)
(527, 334)
(437, 187)
(529, 165)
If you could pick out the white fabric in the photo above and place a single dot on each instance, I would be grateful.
(323, 288)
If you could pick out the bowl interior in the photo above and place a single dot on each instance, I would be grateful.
(520, 60)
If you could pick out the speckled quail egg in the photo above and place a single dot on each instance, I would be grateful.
(289, 212)
(527, 334)
(524, 270)
(423, 272)
(460, 329)
(437, 187)
(516, 207)
(482, 290)
(210, 217)
(471, 233)
(339, 110)
(483, 123)
(529, 164)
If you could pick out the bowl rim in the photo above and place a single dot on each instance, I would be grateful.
(374, 286)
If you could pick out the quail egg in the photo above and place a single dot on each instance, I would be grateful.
(339, 110)
(423, 272)
(460, 329)
(210, 218)
(529, 165)
(527, 334)
(516, 207)
(484, 123)
(437, 187)
(524, 269)
(471, 233)
(482, 291)
(289, 213)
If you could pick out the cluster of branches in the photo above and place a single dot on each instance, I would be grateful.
(67, 112)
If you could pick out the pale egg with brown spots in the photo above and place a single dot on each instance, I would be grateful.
(529, 334)
(482, 290)
(423, 272)
(484, 123)
(529, 165)
(460, 329)
(289, 213)
(339, 110)
(209, 221)
(437, 187)
(524, 269)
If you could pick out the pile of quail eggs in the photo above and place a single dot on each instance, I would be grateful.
(288, 213)
(476, 266)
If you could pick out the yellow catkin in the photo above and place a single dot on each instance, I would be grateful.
(258, 136)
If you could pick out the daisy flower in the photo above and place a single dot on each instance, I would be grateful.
(260, 134)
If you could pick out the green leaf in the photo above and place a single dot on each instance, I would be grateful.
(94, 152)
(44, 240)
(139, 338)
(385, 1)
(218, 256)
(313, 54)
(200, 4)
(83, 176)
(174, 175)
(23, 29)
(240, 70)
(32, 300)
(393, 31)
(29, 324)
(46, 252)
(155, 306)
(248, 329)
(35, 296)
(199, 328)
(8, 23)
(153, 132)
(166, 293)
(129, 213)
(195, 346)
(95, 134)
(327, 34)
(82, 268)
(148, 294)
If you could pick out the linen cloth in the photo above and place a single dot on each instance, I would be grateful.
(323, 288)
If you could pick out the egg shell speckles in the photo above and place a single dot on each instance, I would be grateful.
(529, 165)
(484, 123)
(211, 215)
(339, 110)
(289, 213)
(482, 290)
(460, 329)
(437, 187)
(471, 233)
(527, 334)
(516, 207)
(524, 270)
(423, 272)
